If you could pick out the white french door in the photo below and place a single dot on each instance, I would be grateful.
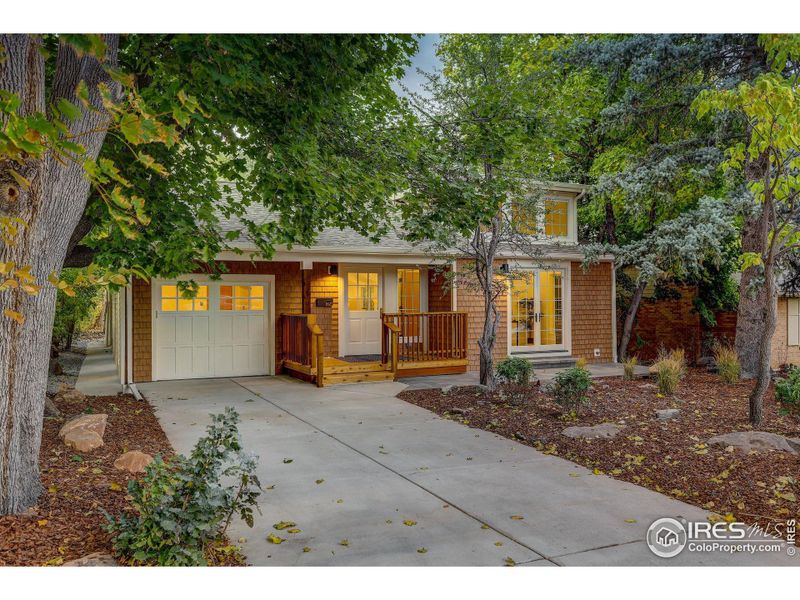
(537, 315)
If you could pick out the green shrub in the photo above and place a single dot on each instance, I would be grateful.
(514, 370)
(629, 368)
(182, 505)
(669, 369)
(787, 390)
(569, 388)
(727, 362)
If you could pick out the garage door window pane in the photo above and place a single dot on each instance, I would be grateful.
(241, 297)
(256, 304)
(172, 299)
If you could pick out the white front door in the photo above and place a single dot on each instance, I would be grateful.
(362, 312)
(222, 332)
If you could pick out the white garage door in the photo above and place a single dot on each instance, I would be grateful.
(223, 332)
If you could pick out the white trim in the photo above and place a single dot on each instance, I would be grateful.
(128, 333)
(614, 312)
(453, 286)
(269, 314)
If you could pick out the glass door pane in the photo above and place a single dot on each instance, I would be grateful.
(523, 311)
(551, 308)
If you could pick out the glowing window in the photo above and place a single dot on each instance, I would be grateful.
(556, 218)
(524, 218)
(172, 300)
(241, 297)
(362, 291)
(408, 297)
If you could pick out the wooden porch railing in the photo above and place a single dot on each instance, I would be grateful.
(424, 337)
(302, 343)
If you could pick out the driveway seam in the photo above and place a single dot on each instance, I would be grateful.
(391, 470)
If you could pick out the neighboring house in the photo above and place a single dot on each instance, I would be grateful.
(346, 309)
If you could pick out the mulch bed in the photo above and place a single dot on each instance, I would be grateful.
(67, 522)
(670, 457)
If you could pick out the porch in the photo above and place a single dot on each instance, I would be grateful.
(411, 345)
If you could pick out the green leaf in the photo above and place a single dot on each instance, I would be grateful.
(68, 109)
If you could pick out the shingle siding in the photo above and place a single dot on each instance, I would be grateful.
(591, 293)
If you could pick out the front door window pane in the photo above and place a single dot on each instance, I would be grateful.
(362, 291)
(551, 300)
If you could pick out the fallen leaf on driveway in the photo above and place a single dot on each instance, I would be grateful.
(284, 525)
(422, 550)
(510, 562)
(274, 539)
(293, 530)
(517, 517)
(630, 520)
(409, 522)
(318, 481)
(286, 461)
(306, 549)
(344, 542)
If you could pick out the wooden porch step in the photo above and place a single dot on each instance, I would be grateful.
(340, 366)
(357, 377)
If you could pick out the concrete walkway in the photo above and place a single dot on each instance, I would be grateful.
(98, 375)
(354, 462)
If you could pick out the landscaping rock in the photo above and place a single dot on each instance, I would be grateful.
(447, 388)
(133, 461)
(71, 394)
(95, 559)
(668, 413)
(458, 411)
(754, 440)
(94, 423)
(83, 440)
(603, 430)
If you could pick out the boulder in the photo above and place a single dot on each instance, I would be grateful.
(666, 414)
(83, 440)
(754, 440)
(95, 559)
(133, 461)
(446, 389)
(603, 430)
(94, 423)
(794, 443)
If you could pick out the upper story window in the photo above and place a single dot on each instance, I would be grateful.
(553, 219)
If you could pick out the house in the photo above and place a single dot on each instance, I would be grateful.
(347, 309)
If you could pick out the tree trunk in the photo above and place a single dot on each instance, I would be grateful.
(630, 319)
(491, 319)
(751, 314)
(51, 208)
(764, 347)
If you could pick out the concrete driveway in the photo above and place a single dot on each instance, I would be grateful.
(381, 461)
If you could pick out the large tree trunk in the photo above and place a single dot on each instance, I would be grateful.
(764, 347)
(51, 207)
(491, 319)
(751, 314)
(630, 319)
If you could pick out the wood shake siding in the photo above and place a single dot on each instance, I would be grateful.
(591, 312)
(782, 352)
(142, 331)
(326, 286)
(470, 300)
(440, 297)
